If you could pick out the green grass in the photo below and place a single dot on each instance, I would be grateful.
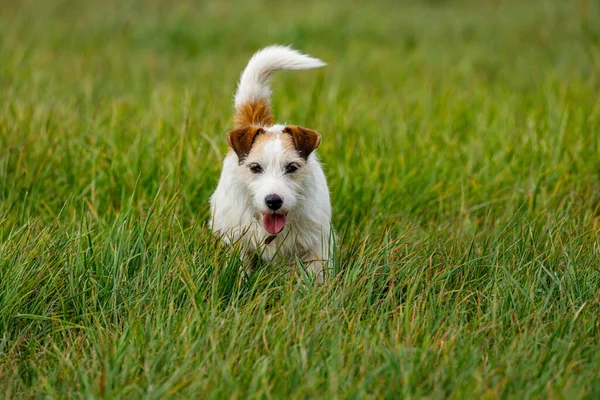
(461, 141)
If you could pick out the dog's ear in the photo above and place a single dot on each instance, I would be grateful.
(305, 140)
(241, 140)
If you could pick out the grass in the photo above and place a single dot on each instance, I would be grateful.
(461, 141)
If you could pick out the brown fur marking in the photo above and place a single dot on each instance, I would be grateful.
(241, 140)
(256, 112)
(305, 140)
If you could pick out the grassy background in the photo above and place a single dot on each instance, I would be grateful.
(461, 141)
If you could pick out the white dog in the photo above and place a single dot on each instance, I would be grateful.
(272, 196)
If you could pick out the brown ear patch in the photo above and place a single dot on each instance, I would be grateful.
(305, 140)
(254, 112)
(241, 140)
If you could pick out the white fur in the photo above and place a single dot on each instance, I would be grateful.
(238, 201)
(254, 82)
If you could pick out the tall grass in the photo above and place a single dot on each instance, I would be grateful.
(461, 142)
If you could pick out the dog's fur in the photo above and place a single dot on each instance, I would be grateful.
(265, 159)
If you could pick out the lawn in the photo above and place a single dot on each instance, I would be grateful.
(461, 142)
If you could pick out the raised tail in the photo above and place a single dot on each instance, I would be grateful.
(254, 92)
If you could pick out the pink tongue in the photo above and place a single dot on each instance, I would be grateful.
(274, 223)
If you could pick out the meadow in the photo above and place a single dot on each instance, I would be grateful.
(461, 142)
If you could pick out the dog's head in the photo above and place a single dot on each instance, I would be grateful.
(273, 165)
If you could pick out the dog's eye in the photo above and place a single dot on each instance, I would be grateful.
(255, 168)
(291, 168)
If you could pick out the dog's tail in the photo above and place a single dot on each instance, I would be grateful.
(254, 92)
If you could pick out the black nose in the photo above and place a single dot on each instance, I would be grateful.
(274, 202)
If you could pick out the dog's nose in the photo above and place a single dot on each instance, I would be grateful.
(274, 202)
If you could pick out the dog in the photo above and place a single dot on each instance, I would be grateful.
(272, 197)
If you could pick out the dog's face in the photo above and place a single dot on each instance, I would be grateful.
(273, 165)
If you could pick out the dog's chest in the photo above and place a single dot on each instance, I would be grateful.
(286, 245)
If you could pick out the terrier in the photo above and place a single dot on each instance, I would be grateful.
(272, 195)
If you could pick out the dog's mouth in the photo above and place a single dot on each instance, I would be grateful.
(274, 222)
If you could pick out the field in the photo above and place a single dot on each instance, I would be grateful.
(461, 141)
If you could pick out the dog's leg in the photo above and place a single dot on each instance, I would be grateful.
(249, 262)
(316, 268)
(315, 265)
(316, 259)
